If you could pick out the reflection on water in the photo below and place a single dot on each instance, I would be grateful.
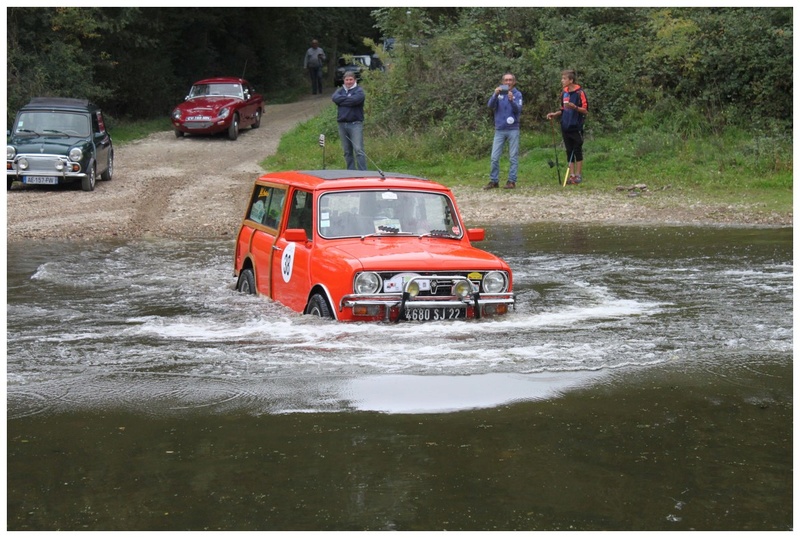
(643, 382)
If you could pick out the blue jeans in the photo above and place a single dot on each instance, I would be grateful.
(352, 136)
(500, 138)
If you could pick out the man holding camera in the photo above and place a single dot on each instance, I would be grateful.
(350, 116)
(506, 102)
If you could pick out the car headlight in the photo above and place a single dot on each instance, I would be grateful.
(11, 152)
(494, 282)
(22, 163)
(462, 289)
(367, 283)
(412, 288)
(223, 112)
(75, 154)
(176, 114)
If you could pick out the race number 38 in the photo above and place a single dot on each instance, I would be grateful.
(287, 261)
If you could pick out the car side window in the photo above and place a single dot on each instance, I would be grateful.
(274, 209)
(266, 206)
(300, 214)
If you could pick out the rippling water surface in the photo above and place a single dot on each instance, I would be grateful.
(157, 325)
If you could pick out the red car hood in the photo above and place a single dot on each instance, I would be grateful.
(207, 106)
(415, 254)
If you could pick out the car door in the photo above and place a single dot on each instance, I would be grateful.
(291, 282)
(250, 105)
(102, 143)
(266, 212)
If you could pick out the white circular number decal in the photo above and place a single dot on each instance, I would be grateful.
(287, 261)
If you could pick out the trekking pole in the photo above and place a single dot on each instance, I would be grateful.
(567, 174)
(555, 151)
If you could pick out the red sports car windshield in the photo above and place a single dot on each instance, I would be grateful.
(217, 89)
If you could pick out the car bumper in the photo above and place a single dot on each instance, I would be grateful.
(404, 306)
(202, 126)
(44, 170)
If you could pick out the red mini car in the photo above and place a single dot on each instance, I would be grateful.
(217, 105)
(366, 246)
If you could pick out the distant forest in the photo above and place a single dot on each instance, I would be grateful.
(700, 68)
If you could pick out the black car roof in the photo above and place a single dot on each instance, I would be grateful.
(60, 103)
(350, 174)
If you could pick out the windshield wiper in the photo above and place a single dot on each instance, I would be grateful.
(439, 233)
(27, 132)
(386, 230)
(55, 131)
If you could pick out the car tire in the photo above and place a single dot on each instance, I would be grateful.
(109, 173)
(10, 181)
(257, 123)
(233, 130)
(247, 282)
(318, 306)
(88, 181)
(178, 133)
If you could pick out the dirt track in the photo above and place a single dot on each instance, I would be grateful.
(165, 186)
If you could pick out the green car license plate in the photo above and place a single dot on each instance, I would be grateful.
(40, 180)
(435, 314)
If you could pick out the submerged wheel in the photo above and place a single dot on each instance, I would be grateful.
(247, 282)
(318, 306)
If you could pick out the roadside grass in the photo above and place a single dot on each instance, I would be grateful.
(738, 167)
(124, 131)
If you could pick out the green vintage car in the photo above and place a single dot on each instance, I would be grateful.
(59, 140)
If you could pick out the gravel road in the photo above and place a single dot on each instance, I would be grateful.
(171, 187)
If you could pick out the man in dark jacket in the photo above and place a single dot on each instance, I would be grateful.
(350, 100)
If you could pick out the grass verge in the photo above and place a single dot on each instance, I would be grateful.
(737, 168)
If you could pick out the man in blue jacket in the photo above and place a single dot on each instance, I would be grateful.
(506, 101)
(350, 100)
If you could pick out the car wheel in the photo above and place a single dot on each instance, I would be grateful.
(179, 134)
(247, 282)
(257, 123)
(109, 173)
(233, 130)
(10, 181)
(318, 306)
(87, 183)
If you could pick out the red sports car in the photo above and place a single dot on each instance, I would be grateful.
(218, 105)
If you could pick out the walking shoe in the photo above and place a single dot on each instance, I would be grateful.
(509, 185)
(490, 185)
(574, 180)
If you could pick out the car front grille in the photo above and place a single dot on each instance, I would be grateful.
(41, 163)
(197, 124)
(440, 286)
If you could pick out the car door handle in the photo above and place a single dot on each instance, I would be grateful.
(276, 248)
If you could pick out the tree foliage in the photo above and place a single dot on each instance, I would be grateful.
(140, 62)
(690, 69)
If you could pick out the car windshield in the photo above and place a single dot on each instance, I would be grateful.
(53, 123)
(216, 89)
(387, 212)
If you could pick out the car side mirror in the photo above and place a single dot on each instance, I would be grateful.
(476, 234)
(295, 235)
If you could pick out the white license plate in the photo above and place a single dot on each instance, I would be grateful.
(435, 314)
(198, 118)
(40, 180)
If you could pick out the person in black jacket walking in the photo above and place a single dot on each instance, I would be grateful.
(574, 108)
(350, 117)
